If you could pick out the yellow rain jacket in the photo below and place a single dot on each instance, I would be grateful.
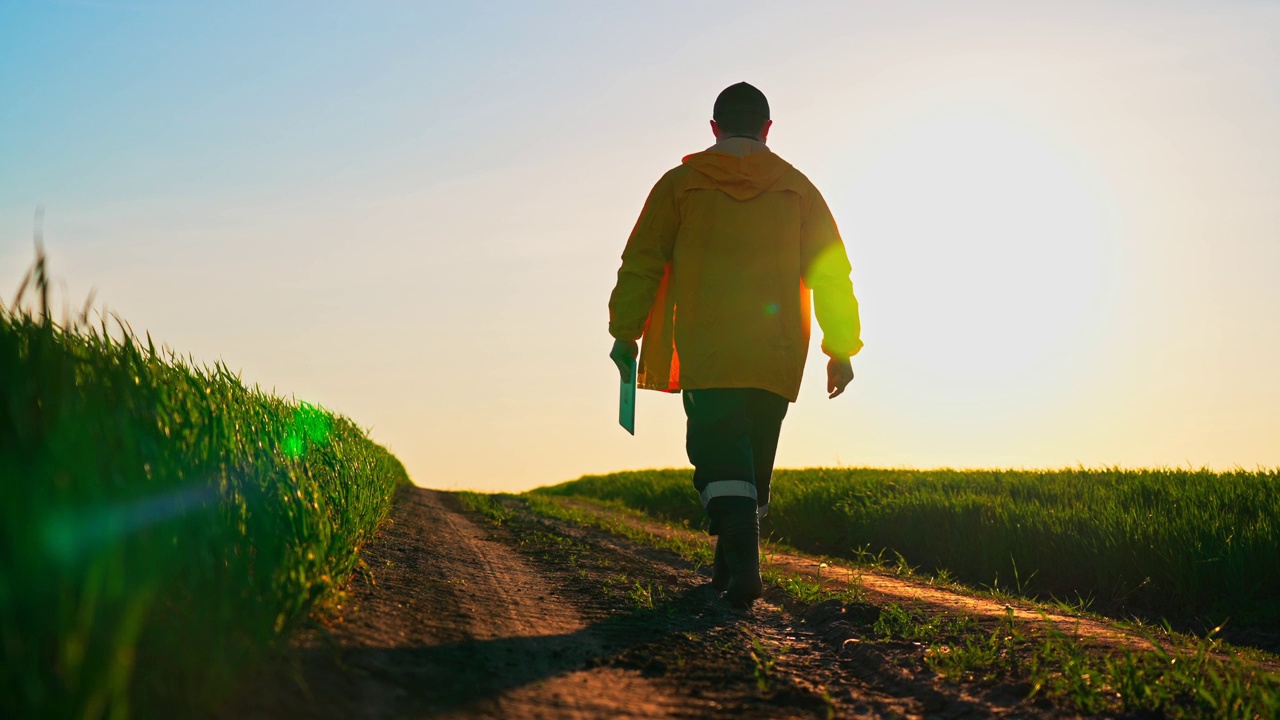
(717, 273)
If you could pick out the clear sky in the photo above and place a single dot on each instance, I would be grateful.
(1063, 217)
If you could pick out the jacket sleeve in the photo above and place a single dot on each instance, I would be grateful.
(826, 273)
(644, 262)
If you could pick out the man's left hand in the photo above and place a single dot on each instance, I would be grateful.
(624, 355)
(839, 375)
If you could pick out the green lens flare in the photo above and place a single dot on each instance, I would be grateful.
(292, 446)
(312, 426)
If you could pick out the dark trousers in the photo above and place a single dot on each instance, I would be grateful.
(732, 439)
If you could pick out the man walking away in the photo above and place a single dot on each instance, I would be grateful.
(716, 277)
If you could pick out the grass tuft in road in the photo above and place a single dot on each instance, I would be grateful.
(1197, 681)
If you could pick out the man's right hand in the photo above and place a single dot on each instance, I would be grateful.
(839, 375)
(624, 355)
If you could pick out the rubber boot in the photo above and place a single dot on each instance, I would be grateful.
(740, 537)
(720, 569)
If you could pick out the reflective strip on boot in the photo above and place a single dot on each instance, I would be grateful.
(727, 488)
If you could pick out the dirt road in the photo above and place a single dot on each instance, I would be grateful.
(458, 616)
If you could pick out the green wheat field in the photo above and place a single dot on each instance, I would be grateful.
(161, 524)
(1162, 544)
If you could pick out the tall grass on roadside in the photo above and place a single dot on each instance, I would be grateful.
(160, 523)
(1177, 544)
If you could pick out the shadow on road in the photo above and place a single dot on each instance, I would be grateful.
(331, 682)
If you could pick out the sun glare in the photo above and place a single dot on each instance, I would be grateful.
(990, 252)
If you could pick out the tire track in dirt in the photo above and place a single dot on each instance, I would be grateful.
(456, 626)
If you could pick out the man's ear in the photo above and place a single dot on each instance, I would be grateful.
(764, 132)
(715, 129)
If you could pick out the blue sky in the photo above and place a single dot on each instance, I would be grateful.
(1062, 216)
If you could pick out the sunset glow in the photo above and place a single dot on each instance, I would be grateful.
(1061, 216)
(1001, 243)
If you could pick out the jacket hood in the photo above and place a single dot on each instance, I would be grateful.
(742, 177)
